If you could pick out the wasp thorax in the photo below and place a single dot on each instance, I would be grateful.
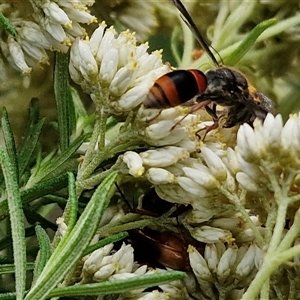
(225, 83)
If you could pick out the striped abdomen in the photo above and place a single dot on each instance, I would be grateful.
(175, 88)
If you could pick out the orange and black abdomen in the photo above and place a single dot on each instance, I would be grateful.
(175, 88)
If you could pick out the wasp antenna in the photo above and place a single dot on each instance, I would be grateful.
(124, 198)
(189, 21)
(218, 54)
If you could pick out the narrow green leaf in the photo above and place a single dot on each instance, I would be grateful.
(64, 165)
(31, 136)
(61, 201)
(44, 187)
(41, 189)
(80, 109)
(16, 221)
(4, 23)
(10, 142)
(118, 286)
(248, 42)
(56, 166)
(176, 35)
(44, 253)
(29, 144)
(112, 239)
(70, 249)
(8, 296)
(10, 268)
(33, 114)
(280, 27)
(64, 103)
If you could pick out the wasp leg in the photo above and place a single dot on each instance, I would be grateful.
(212, 112)
(192, 110)
(207, 130)
(153, 118)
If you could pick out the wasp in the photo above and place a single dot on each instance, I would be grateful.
(164, 248)
(221, 86)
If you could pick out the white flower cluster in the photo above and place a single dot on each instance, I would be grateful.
(188, 171)
(56, 24)
(233, 266)
(130, 17)
(60, 20)
(106, 264)
(117, 263)
(113, 69)
(269, 148)
(235, 184)
(210, 175)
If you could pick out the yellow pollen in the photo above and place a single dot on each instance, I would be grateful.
(191, 249)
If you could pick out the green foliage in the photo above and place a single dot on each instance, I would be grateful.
(120, 144)
(4, 22)
(30, 178)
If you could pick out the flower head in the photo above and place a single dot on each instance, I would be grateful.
(138, 16)
(100, 265)
(224, 266)
(53, 26)
(114, 69)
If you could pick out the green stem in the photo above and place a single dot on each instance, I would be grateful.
(110, 230)
(103, 118)
(270, 223)
(270, 264)
(188, 46)
(90, 153)
(233, 198)
(92, 181)
(265, 291)
(291, 234)
(122, 143)
(279, 226)
(174, 45)
(219, 23)
(280, 193)
(16, 222)
(234, 22)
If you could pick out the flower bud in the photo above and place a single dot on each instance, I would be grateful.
(247, 262)
(164, 156)
(191, 186)
(209, 235)
(202, 176)
(199, 265)
(134, 163)
(226, 262)
(246, 182)
(214, 163)
(159, 176)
